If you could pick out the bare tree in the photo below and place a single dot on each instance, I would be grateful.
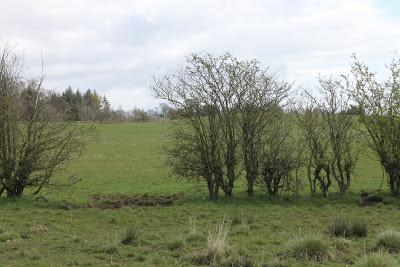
(330, 136)
(282, 157)
(342, 133)
(380, 102)
(260, 102)
(317, 140)
(207, 89)
(34, 143)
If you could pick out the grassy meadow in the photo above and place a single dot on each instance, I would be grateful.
(58, 230)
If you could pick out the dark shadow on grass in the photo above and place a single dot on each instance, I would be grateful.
(305, 200)
(200, 199)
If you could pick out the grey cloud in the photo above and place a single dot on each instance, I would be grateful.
(116, 46)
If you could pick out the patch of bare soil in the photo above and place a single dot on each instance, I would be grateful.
(119, 201)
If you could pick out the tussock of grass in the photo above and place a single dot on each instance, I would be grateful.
(216, 245)
(274, 263)
(38, 229)
(111, 249)
(377, 260)
(310, 247)
(176, 244)
(239, 258)
(7, 236)
(131, 236)
(348, 228)
(341, 245)
(388, 240)
(358, 228)
(25, 234)
(192, 233)
(243, 219)
(339, 227)
(30, 254)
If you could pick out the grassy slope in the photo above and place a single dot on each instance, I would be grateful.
(127, 158)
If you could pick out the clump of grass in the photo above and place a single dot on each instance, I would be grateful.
(377, 260)
(243, 223)
(30, 254)
(193, 234)
(216, 245)
(310, 247)
(176, 244)
(243, 219)
(274, 263)
(239, 259)
(341, 245)
(388, 240)
(25, 234)
(7, 236)
(38, 229)
(339, 227)
(242, 229)
(140, 258)
(358, 228)
(112, 249)
(131, 236)
(347, 228)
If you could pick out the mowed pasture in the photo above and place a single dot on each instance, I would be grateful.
(59, 229)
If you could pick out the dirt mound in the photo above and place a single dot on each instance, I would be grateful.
(119, 201)
(369, 199)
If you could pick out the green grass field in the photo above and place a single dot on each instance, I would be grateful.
(128, 159)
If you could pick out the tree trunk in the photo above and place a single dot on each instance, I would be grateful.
(250, 187)
(210, 186)
(15, 191)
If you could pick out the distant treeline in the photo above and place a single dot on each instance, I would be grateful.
(75, 105)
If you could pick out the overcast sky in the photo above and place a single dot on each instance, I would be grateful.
(117, 46)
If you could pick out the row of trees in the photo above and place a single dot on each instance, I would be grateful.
(90, 106)
(240, 120)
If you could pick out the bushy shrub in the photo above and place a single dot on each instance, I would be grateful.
(377, 260)
(388, 240)
(309, 247)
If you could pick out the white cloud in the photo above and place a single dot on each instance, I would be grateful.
(116, 46)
